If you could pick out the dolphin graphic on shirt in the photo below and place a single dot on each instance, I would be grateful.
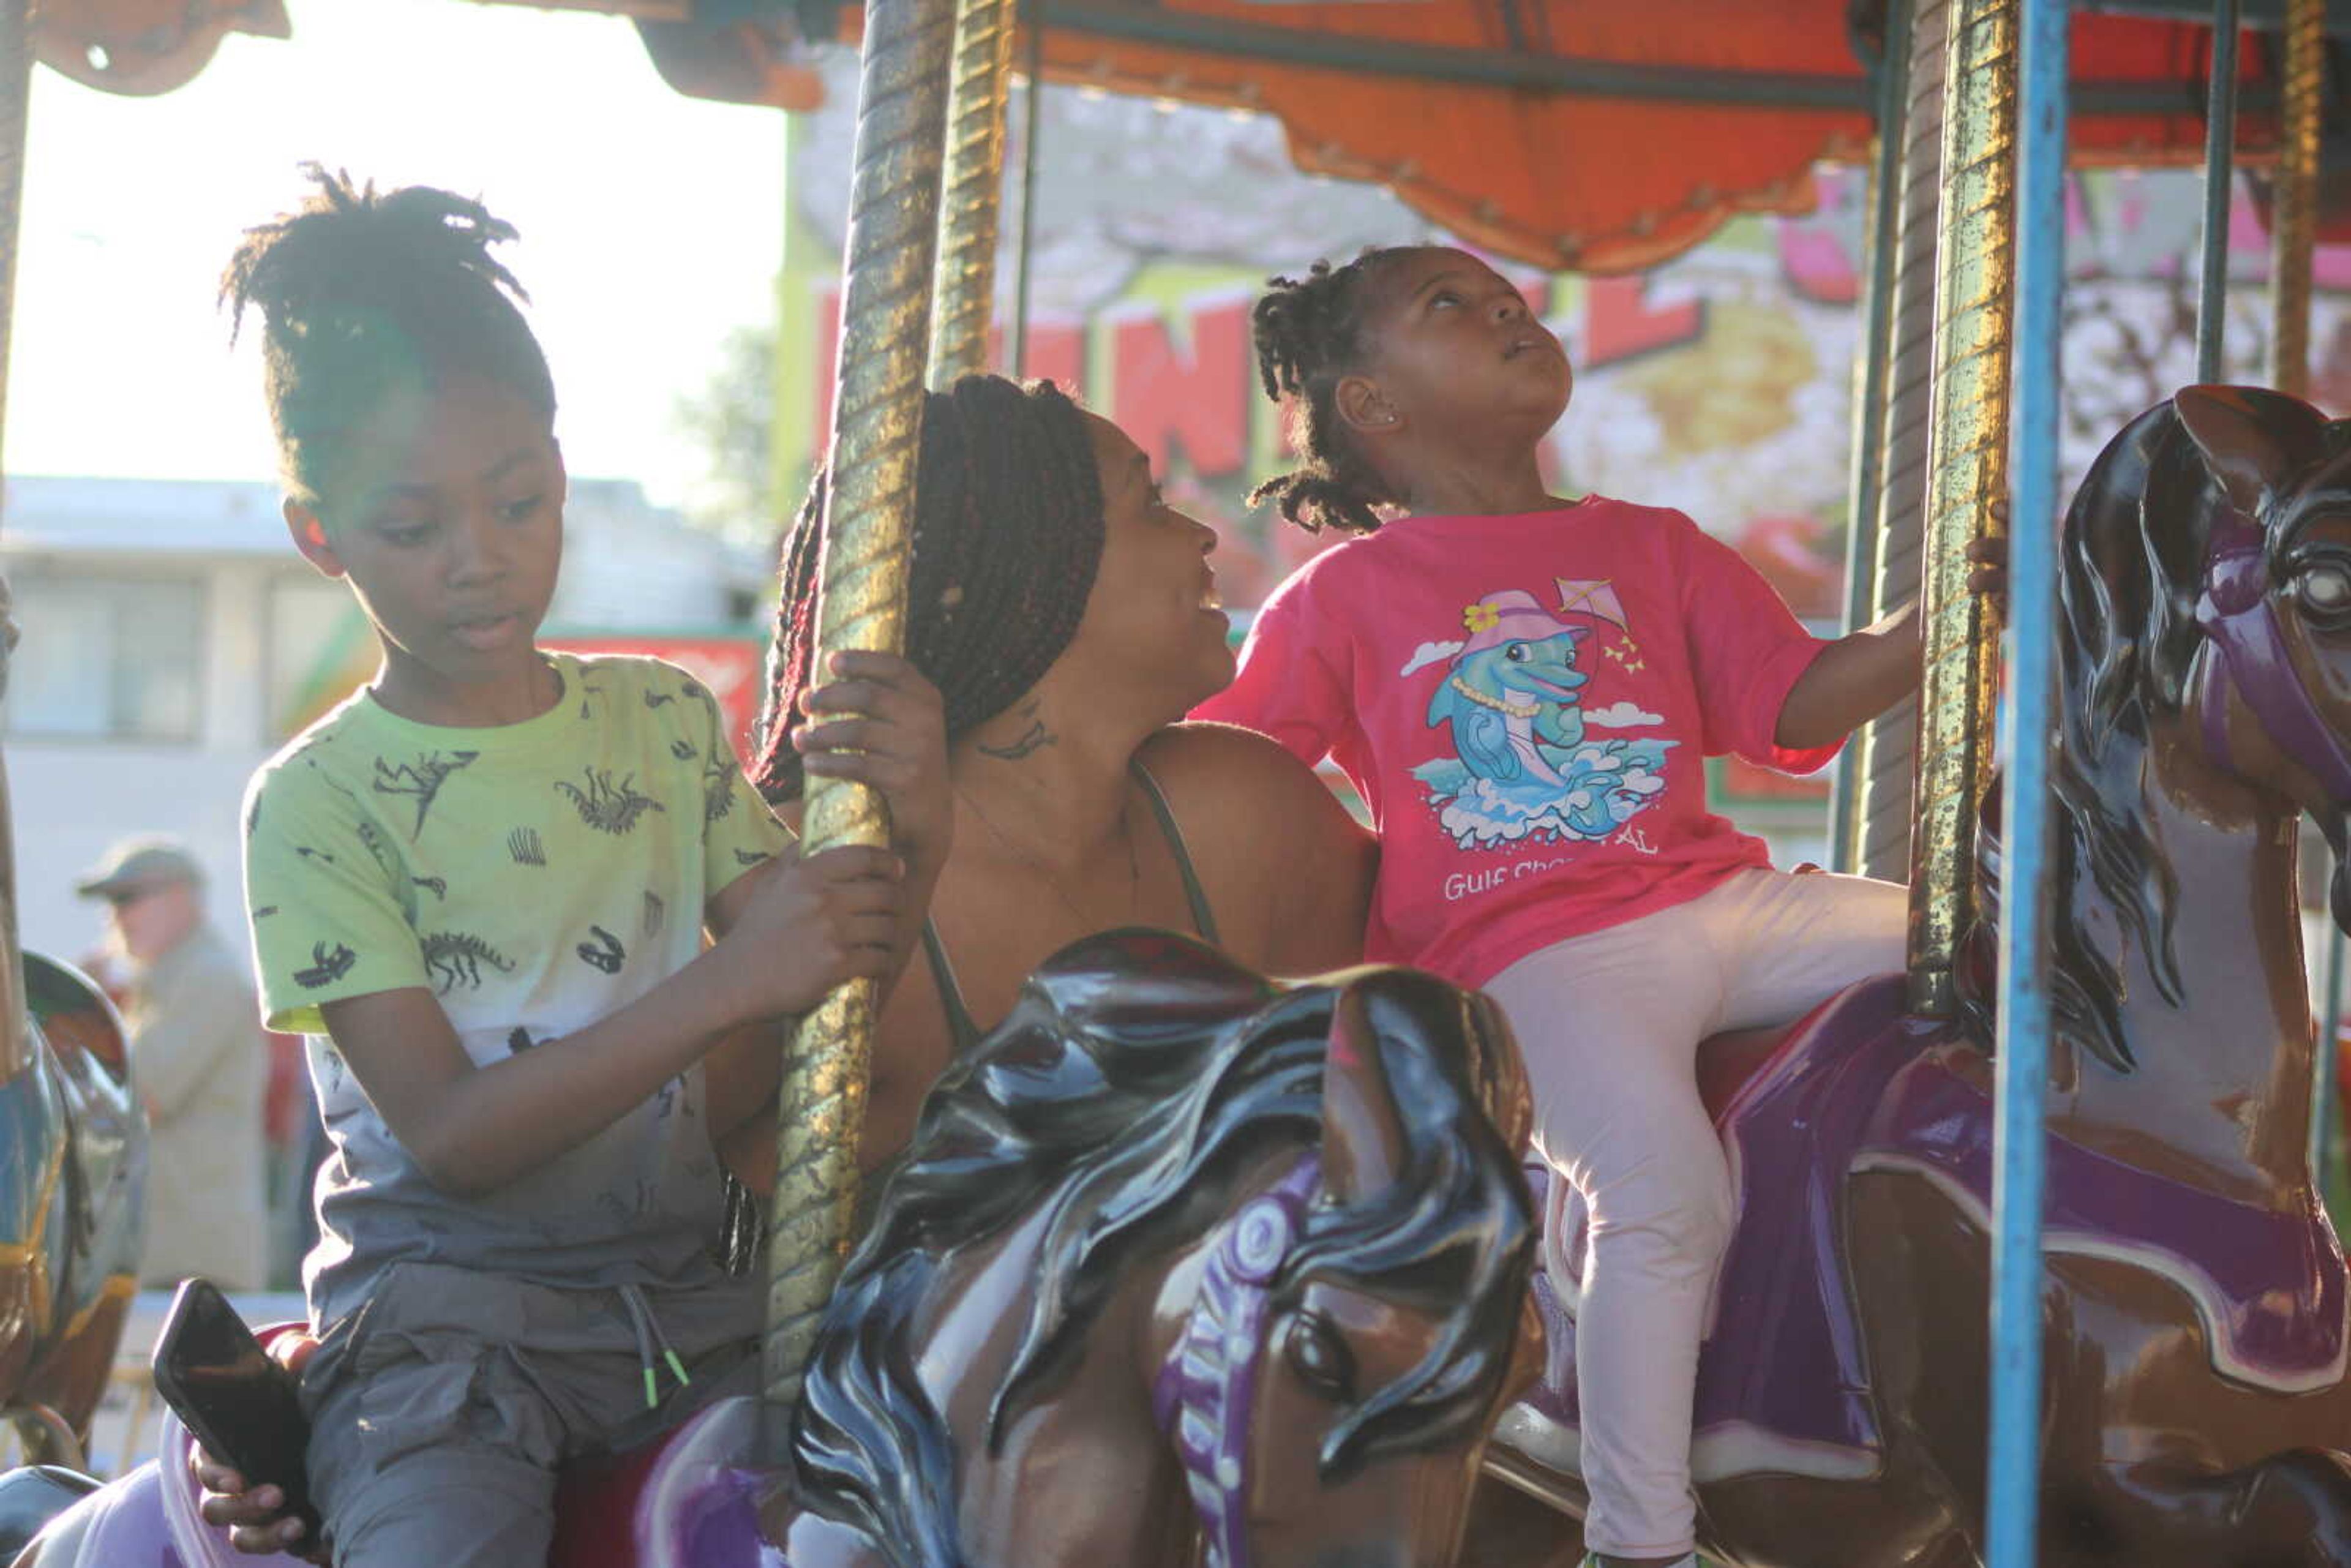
(1525, 765)
(1500, 701)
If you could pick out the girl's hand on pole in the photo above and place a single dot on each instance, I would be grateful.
(1989, 575)
(1989, 557)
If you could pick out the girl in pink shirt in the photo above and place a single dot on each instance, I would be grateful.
(1524, 690)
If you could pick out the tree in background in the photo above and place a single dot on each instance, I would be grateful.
(732, 418)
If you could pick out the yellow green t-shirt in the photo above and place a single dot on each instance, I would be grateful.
(534, 877)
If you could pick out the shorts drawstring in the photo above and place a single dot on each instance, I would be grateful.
(642, 1318)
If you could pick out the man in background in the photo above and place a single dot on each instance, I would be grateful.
(198, 1065)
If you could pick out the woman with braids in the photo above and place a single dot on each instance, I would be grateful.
(481, 887)
(1524, 689)
(1067, 616)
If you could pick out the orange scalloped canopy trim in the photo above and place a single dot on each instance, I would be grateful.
(1586, 185)
(1589, 182)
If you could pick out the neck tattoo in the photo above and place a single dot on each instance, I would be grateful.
(1031, 741)
(1133, 864)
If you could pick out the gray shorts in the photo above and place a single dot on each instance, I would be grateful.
(440, 1410)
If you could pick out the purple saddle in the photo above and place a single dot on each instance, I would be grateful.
(686, 1501)
(1783, 1380)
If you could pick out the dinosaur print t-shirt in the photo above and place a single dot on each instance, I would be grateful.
(1525, 704)
(534, 878)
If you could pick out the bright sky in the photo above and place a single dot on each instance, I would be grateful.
(650, 226)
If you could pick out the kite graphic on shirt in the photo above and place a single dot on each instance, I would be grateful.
(1513, 703)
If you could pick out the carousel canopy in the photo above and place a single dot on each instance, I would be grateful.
(1598, 135)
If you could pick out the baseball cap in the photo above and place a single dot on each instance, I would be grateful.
(138, 863)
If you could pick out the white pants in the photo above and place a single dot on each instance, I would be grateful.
(1609, 1024)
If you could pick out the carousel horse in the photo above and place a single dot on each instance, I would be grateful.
(2195, 1412)
(72, 1162)
(1182, 1266)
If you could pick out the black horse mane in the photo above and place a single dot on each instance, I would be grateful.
(2131, 565)
(1139, 1074)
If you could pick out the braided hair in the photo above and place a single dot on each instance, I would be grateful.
(1007, 535)
(364, 295)
(1310, 333)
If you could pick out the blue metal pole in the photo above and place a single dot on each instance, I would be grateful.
(2027, 721)
(2220, 182)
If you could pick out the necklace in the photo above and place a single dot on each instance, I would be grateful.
(1087, 922)
(1516, 710)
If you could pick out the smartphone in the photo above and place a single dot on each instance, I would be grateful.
(237, 1402)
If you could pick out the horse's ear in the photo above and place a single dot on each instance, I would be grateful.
(2251, 438)
(1362, 1137)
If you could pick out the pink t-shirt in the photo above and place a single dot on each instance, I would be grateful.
(1525, 704)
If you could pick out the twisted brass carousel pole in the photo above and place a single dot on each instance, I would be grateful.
(1889, 745)
(1967, 472)
(15, 93)
(972, 196)
(862, 604)
(1872, 362)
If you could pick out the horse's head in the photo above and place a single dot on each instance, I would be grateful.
(2206, 589)
(1274, 1245)
(1357, 1328)
(2272, 691)
(2208, 573)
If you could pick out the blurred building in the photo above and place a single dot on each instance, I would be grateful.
(173, 640)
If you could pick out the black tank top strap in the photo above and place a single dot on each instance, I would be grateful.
(1204, 919)
(963, 1030)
